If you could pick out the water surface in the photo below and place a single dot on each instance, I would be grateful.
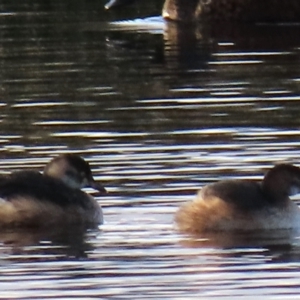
(158, 111)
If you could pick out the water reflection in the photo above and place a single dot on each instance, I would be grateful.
(46, 244)
(228, 240)
(205, 54)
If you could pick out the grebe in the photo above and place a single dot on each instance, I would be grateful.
(29, 198)
(227, 10)
(241, 205)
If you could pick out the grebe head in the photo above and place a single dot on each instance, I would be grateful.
(73, 171)
(282, 181)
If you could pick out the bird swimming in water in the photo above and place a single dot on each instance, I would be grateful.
(29, 198)
(244, 205)
(248, 11)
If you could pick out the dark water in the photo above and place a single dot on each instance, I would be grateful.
(159, 111)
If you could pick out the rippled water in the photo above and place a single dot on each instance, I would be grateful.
(158, 111)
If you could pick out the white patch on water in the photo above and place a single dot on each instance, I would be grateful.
(154, 25)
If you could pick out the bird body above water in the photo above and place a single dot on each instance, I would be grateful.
(241, 205)
(227, 10)
(29, 198)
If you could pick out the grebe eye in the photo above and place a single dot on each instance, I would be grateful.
(73, 174)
